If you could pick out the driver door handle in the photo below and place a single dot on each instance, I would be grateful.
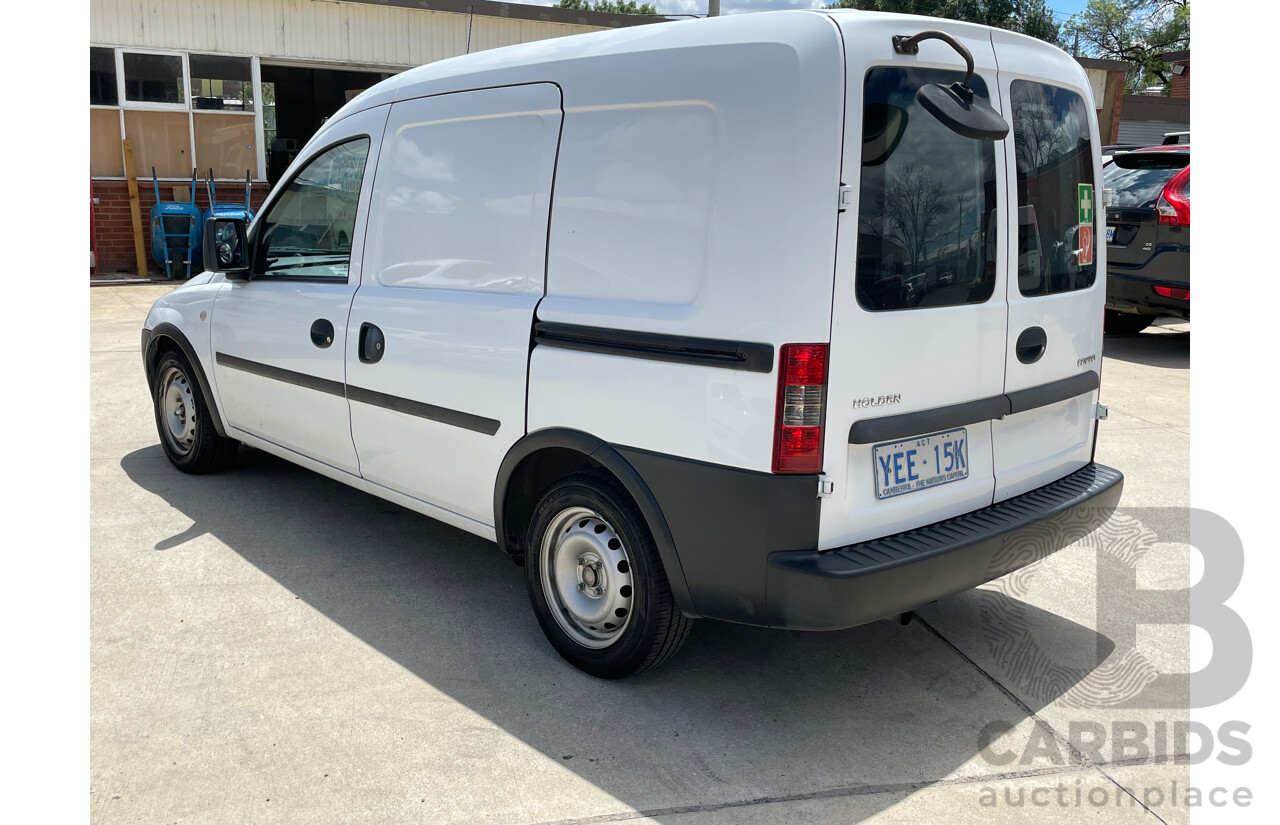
(372, 344)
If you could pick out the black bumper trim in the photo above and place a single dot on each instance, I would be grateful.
(860, 583)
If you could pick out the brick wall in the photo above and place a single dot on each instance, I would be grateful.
(1180, 84)
(113, 228)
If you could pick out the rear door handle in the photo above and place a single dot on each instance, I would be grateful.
(372, 344)
(1031, 344)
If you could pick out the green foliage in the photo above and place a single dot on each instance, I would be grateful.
(1135, 31)
(608, 6)
(1031, 17)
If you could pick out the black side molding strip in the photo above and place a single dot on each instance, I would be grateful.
(654, 346)
(444, 415)
(896, 427)
(299, 379)
(1052, 393)
(905, 425)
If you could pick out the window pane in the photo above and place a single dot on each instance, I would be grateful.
(225, 144)
(928, 198)
(106, 159)
(102, 78)
(1138, 183)
(221, 83)
(160, 139)
(459, 206)
(308, 232)
(1055, 188)
(153, 78)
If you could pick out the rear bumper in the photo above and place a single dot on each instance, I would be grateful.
(1129, 293)
(849, 586)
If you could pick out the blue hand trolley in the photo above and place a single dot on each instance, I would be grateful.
(176, 230)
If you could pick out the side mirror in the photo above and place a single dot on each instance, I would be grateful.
(226, 246)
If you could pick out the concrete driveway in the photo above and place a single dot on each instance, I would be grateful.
(268, 645)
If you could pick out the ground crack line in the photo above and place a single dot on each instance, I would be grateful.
(1075, 752)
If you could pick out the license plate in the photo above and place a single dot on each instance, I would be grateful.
(1111, 234)
(920, 463)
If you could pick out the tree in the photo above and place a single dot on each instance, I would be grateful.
(1031, 17)
(1135, 31)
(608, 6)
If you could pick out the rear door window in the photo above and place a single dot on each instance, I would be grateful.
(928, 197)
(1056, 197)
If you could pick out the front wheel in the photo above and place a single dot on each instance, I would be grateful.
(186, 429)
(596, 582)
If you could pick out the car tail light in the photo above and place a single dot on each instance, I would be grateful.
(802, 400)
(1174, 292)
(1174, 205)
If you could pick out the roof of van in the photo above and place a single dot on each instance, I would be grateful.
(510, 65)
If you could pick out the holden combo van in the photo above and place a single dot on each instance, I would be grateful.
(723, 318)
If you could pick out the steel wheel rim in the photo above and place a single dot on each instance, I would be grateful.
(177, 411)
(586, 577)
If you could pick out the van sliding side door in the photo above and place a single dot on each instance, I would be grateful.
(438, 339)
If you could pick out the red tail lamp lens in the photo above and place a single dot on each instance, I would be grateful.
(802, 395)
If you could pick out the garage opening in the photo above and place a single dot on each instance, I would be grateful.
(296, 101)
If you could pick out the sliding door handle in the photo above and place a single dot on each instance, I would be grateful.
(372, 344)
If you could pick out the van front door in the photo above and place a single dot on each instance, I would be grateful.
(278, 338)
(438, 339)
(919, 314)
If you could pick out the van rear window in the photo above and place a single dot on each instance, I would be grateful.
(926, 203)
(1056, 196)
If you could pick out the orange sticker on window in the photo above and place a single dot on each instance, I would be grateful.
(1086, 243)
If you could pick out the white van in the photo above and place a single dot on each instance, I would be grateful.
(657, 311)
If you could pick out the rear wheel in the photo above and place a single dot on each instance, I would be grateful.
(1125, 323)
(595, 580)
(186, 429)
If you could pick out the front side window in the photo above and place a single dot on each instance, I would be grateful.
(1056, 196)
(307, 234)
(927, 203)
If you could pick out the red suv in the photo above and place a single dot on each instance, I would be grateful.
(1148, 237)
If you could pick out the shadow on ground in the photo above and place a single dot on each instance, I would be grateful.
(741, 713)
(1156, 347)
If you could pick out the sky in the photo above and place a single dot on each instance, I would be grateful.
(1064, 8)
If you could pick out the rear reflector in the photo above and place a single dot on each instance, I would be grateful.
(1174, 292)
(802, 396)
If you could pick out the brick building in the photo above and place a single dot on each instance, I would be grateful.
(238, 86)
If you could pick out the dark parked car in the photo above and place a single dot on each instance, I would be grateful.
(1148, 237)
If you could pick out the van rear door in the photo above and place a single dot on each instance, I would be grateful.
(919, 316)
(1055, 297)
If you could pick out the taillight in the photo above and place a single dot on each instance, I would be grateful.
(802, 397)
(1174, 292)
(1173, 208)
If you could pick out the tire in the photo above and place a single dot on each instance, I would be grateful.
(1125, 323)
(186, 429)
(596, 582)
